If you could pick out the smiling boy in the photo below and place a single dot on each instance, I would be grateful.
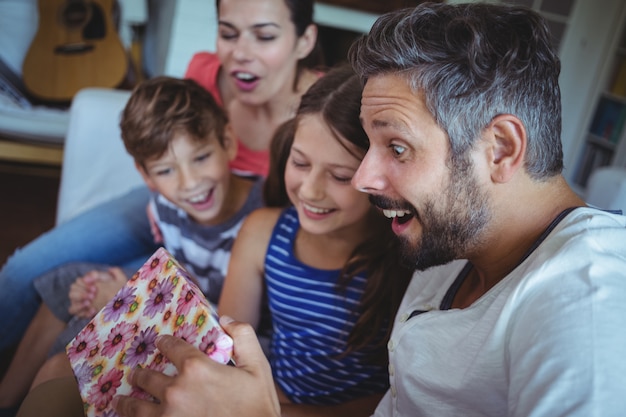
(182, 144)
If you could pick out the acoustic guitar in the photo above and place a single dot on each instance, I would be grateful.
(76, 46)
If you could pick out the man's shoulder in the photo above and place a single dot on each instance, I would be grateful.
(599, 216)
(583, 241)
(598, 229)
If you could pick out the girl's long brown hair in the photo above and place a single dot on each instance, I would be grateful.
(337, 98)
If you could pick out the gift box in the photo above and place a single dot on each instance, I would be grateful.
(160, 298)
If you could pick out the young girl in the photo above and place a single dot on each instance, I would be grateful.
(328, 263)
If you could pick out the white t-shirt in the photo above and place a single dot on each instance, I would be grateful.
(548, 340)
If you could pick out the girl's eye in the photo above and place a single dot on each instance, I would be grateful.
(298, 164)
(397, 150)
(342, 179)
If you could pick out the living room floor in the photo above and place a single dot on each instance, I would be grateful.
(28, 196)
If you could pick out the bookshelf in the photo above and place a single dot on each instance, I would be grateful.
(605, 138)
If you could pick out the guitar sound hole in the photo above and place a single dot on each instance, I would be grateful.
(96, 28)
(75, 15)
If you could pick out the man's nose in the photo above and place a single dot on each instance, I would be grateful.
(369, 176)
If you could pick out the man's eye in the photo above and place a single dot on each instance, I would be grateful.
(397, 150)
(162, 172)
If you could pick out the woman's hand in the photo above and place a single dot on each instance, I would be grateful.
(204, 387)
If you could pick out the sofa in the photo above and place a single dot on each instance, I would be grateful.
(96, 166)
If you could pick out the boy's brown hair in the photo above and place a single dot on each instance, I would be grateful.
(161, 108)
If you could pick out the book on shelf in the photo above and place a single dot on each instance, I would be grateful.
(593, 157)
(619, 125)
(618, 86)
(609, 118)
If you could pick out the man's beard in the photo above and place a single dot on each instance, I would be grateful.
(451, 224)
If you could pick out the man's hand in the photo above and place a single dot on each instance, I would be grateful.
(204, 387)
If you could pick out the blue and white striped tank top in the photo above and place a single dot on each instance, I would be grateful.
(312, 321)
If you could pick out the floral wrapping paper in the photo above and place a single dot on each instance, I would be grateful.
(160, 298)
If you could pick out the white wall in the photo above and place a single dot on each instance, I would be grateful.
(585, 56)
(194, 28)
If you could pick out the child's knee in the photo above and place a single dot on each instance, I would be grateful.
(57, 366)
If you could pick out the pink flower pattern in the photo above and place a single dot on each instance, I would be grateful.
(116, 341)
(188, 332)
(161, 298)
(217, 345)
(83, 374)
(102, 393)
(119, 304)
(83, 345)
(142, 346)
(159, 363)
(186, 302)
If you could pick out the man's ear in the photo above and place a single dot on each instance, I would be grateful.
(230, 142)
(306, 42)
(146, 178)
(507, 146)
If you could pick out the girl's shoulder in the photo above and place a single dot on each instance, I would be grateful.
(261, 222)
(255, 234)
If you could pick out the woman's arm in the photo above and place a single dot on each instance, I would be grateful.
(242, 293)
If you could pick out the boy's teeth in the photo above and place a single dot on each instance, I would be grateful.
(199, 198)
(395, 213)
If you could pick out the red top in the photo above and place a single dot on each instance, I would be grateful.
(204, 68)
